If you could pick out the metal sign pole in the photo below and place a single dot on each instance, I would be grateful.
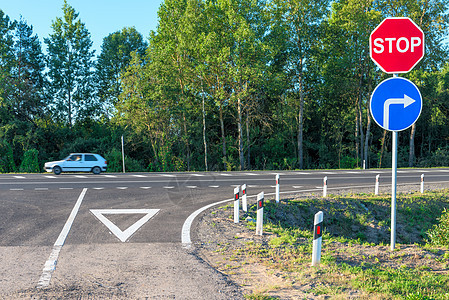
(123, 154)
(394, 169)
(394, 172)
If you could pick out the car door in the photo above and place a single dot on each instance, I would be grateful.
(74, 163)
(90, 161)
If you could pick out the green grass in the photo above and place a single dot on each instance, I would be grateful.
(353, 223)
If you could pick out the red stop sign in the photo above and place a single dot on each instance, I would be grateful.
(397, 45)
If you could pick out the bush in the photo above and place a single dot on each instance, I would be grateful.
(6, 158)
(30, 162)
(115, 164)
(439, 234)
(348, 162)
(438, 158)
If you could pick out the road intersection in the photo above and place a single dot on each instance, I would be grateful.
(119, 212)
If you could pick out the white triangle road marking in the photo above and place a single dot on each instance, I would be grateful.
(124, 235)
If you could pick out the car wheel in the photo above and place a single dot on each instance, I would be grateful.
(57, 170)
(96, 170)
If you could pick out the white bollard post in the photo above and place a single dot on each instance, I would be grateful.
(244, 201)
(317, 238)
(259, 221)
(236, 205)
(364, 165)
(325, 186)
(422, 183)
(277, 188)
(376, 189)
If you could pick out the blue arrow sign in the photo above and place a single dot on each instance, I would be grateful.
(396, 104)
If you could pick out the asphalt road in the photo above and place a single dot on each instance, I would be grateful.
(46, 219)
(34, 206)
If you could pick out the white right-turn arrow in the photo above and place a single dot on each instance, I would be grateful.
(406, 101)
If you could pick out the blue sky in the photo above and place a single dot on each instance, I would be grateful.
(101, 17)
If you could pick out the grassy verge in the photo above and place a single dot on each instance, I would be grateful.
(356, 259)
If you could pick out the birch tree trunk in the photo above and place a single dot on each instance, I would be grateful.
(223, 139)
(239, 124)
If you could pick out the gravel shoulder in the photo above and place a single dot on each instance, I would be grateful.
(124, 271)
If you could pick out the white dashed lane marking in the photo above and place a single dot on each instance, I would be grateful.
(20, 177)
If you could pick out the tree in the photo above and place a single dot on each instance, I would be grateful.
(302, 20)
(6, 62)
(70, 68)
(355, 20)
(112, 62)
(28, 98)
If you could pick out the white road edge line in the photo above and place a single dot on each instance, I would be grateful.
(185, 233)
(50, 264)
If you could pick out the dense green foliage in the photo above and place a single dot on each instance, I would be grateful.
(221, 85)
(30, 163)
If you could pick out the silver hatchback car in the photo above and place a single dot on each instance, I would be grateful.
(78, 162)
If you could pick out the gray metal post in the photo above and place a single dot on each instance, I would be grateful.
(394, 171)
(123, 154)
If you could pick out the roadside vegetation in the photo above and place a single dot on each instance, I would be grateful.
(219, 85)
(356, 259)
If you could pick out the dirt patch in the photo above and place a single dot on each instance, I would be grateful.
(273, 265)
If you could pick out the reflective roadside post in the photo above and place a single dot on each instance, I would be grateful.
(277, 188)
(244, 201)
(422, 183)
(236, 204)
(317, 238)
(376, 189)
(325, 186)
(259, 221)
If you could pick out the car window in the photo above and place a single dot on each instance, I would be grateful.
(89, 157)
(75, 157)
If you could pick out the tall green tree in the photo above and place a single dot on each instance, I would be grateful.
(6, 63)
(112, 62)
(301, 19)
(28, 95)
(70, 68)
(355, 20)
